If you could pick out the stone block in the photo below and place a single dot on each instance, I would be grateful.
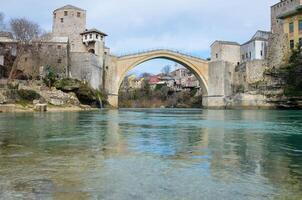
(40, 107)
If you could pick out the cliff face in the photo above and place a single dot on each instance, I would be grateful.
(260, 84)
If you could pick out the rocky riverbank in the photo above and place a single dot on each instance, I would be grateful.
(30, 96)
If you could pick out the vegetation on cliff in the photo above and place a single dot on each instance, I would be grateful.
(293, 73)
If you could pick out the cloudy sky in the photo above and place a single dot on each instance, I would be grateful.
(135, 25)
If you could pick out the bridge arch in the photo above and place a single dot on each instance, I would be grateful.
(124, 64)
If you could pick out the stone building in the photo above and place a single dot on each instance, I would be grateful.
(292, 26)
(225, 51)
(72, 50)
(87, 46)
(70, 21)
(279, 9)
(280, 41)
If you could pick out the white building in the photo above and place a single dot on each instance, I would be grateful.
(93, 39)
(256, 47)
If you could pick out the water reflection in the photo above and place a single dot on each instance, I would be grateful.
(151, 154)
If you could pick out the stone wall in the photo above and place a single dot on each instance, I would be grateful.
(38, 55)
(220, 83)
(278, 49)
(255, 70)
(248, 73)
(87, 67)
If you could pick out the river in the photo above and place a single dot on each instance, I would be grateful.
(156, 154)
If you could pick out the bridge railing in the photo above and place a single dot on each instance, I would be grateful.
(160, 49)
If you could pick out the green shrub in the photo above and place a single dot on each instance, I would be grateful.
(28, 95)
(67, 84)
(51, 76)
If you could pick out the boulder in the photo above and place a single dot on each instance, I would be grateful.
(59, 98)
(57, 102)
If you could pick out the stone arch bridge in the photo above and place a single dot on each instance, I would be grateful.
(120, 66)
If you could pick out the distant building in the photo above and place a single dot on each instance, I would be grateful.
(153, 81)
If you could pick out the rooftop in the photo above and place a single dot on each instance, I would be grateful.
(93, 30)
(69, 7)
(259, 36)
(226, 42)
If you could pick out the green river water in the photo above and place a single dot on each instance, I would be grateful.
(158, 154)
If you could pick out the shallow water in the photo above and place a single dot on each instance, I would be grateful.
(152, 154)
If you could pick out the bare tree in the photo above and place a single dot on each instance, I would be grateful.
(45, 35)
(166, 70)
(24, 30)
(2, 23)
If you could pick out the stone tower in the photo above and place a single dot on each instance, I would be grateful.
(70, 21)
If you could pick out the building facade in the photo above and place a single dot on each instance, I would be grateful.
(256, 48)
(292, 26)
(279, 9)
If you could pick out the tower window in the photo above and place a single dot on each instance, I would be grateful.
(292, 44)
(78, 14)
(90, 36)
(85, 37)
(62, 20)
(65, 13)
(216, 55)
(54, 15)
(291, 27)
(300, 25)
(97, 36)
